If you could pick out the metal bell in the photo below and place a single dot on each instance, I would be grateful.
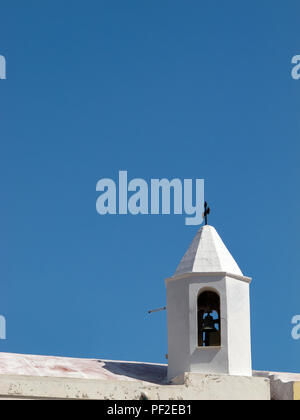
(209, 323)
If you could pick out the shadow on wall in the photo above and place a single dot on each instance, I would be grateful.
(141, 371)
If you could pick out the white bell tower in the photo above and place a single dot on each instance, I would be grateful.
(208, 311)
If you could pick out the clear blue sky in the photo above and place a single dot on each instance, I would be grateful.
(188, 89)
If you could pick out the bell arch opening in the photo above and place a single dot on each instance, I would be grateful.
(209, 319)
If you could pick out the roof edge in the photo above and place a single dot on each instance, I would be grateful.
(209, 274)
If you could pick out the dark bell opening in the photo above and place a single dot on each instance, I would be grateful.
(209, 319)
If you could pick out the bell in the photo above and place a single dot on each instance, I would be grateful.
(209, 323)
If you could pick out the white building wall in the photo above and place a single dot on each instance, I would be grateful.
(233, 357)
(178, 328)
(184, 355)
(191, 387)
(207, 359)
(239, 333)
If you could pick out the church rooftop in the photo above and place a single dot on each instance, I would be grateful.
(208, 254)
(25, 376)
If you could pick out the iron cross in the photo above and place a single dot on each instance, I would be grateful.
(206, 211)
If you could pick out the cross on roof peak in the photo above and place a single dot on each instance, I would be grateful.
(206, 211)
